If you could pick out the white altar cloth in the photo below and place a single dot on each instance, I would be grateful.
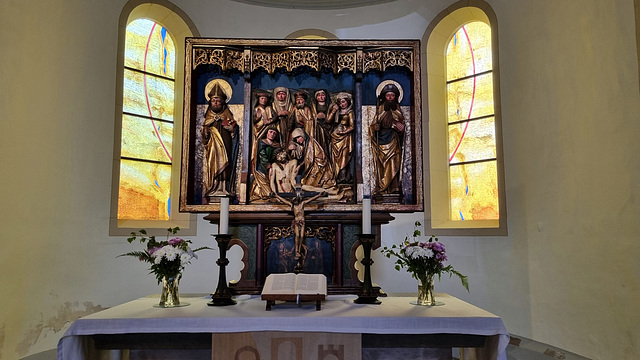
(339, 314)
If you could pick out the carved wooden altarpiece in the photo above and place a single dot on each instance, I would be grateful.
(274, 133)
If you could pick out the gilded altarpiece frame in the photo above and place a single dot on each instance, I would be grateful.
(365, 145)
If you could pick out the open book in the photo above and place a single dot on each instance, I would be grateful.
(295, 284)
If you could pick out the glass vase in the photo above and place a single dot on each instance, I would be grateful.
(425, 290)
(170, 296)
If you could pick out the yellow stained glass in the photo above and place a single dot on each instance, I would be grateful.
(469, 51)
(149, 48)
(148, 95)
(473, 186)
(148, 91)
(146, 139)
(470, 98)
(472, 141)
(474, 191)
(144, 191)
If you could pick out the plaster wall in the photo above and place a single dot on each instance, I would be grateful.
(567, 274)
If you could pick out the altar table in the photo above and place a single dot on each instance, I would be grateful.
(455, 324)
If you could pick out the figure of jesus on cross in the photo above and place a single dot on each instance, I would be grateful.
(298, 225)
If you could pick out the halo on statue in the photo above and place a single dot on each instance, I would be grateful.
(386, 82)
(223, 85)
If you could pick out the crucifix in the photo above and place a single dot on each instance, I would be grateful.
(298, 226)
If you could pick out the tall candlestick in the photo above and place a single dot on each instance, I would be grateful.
(366, 216)
(223, 228)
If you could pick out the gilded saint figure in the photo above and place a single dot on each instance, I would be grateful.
(324, 125)
(283, 108)
(266, 138)
(266, 148)
(387, 137)
(264, 116)
(302, 116)
(220, 140)
(342, 139)
(315, 168)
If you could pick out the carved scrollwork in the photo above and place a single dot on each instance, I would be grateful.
(281, 60)
(247, 61)
(199, 57)
(276, 233)
(234, 60)
(346, 61)
(225, 58)
(327, 60)
(372, 61)
(290, 59)
(397, 58)
(216, 57)
(261, 60)
(325, 233)
(300, 58)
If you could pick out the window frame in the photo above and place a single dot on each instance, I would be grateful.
(178, 26)
(437, 198)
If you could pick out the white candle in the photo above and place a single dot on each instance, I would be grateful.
(366, 216)
(223, 228)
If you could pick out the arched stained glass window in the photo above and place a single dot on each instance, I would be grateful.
(144, 191)
(466, 194)
(473, 180)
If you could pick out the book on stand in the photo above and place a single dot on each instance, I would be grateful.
(294, 287)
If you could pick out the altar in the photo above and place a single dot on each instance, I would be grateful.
(394, 323)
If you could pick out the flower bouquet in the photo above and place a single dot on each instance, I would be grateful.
(423, 260)
(167, 258)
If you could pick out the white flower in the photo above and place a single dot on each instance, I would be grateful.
(159, 254)
(170, 254)
(410, 250)
(428, 252)
(184, 259)
(418, 252)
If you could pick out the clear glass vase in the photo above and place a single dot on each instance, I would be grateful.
(170, 296)
(425, 290)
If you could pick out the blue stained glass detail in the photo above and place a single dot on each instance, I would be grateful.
(466, 191)
(163, 33)
(156, 181)
(461, 216)
(169, 206)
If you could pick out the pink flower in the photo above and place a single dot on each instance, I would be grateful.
(152, 250)
(176, 241)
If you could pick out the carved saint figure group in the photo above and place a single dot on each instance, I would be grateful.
(304, 137)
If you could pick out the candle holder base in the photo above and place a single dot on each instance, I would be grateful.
(221, 300)
(222, 296)
(367, 295)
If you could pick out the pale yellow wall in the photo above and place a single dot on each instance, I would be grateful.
(567, 274)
